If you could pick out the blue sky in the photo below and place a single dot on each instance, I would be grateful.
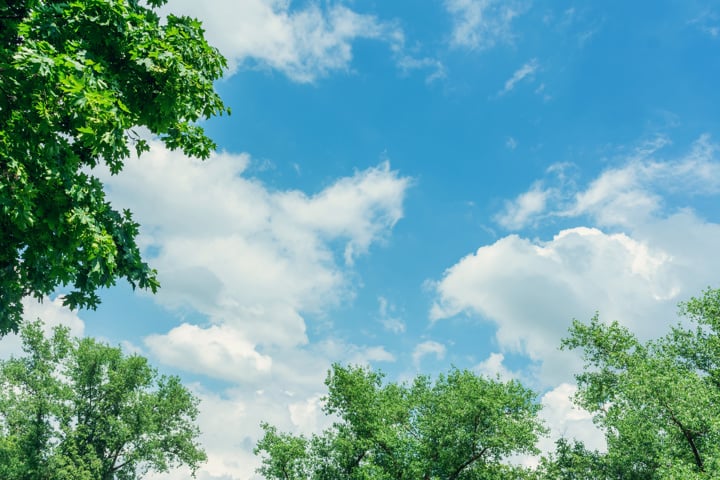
(415, 185)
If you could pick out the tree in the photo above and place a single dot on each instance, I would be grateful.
(81, 410)
(76, 79)
(462, 426)
(659, 401)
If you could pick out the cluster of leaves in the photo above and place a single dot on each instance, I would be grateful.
(462, 426)
(76, 77)
(658, 402)
(81, 410)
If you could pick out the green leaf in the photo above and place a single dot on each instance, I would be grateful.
(78, 409)
(85, 75)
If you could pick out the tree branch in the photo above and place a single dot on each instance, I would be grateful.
(467, 463)
(688, 436)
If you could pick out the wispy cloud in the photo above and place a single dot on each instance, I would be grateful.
(407, 63)
(621, 195)
(526, 71)
(388, 317)
(526, 206)
(429, 347)
(707, 22)
(481, 24)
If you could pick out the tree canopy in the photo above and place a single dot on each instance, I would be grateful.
(461, 426)
(77, 78)
(77, 409)
(658, 401)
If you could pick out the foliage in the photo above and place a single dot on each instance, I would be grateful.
(76, 77)
(81, 410)
(659, 401)
(462, 426)
(572, 461)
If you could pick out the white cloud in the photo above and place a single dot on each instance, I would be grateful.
(532, 289)
(493, 367)
(511, 143)
(525, 207)
(708, 22)
(371, 354)
(304, 44)
(305, 415)
(429, 347)
(568, 421)
(290, 399)
(526, 71)
(249, 259)
(627, 195)
(242, 255)
(564, 420)
(360, 208)
(387, 317)
(52, 313)
(350, 353)
(230, 428)
(407, 63)
(481, 24)
(218, 351)
(621, 196)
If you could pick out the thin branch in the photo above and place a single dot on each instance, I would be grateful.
(467, 463)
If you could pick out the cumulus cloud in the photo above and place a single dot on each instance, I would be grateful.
(526, 71)
(304, 43)
(633, 265)
(566, 420)
(493, 367)
(230, 429)
(218, 351)
(249, 259)
(229, 248)
(636, 258)
(532, 290)
(290, 399)
(481, 24)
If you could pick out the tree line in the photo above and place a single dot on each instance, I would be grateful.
(76, 408)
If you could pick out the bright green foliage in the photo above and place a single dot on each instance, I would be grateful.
(572, 461)
(659, 402)
(76, 409)
(462, 427)
(75, 78)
